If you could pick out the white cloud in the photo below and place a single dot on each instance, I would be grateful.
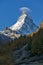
(25, 10)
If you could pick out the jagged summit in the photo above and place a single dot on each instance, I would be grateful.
(19, 23)
(24, 24)
(21, 19)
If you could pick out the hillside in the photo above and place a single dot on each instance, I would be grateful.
(27, 49)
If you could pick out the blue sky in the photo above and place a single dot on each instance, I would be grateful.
(9, 11)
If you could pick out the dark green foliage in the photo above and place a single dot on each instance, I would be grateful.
(37, 43)
(21, 41)
(29, 42)
(6, 57)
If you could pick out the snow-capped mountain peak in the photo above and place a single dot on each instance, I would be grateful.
(19, 23)
(24, 24)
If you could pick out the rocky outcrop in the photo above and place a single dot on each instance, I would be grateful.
(24, 57)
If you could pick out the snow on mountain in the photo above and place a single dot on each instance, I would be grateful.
(24, 25)
(19, 23)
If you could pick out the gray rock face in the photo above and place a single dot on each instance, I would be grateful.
(24, 57)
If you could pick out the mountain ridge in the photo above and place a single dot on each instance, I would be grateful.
(23, 26)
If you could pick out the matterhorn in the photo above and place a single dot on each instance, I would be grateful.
(23, 26)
